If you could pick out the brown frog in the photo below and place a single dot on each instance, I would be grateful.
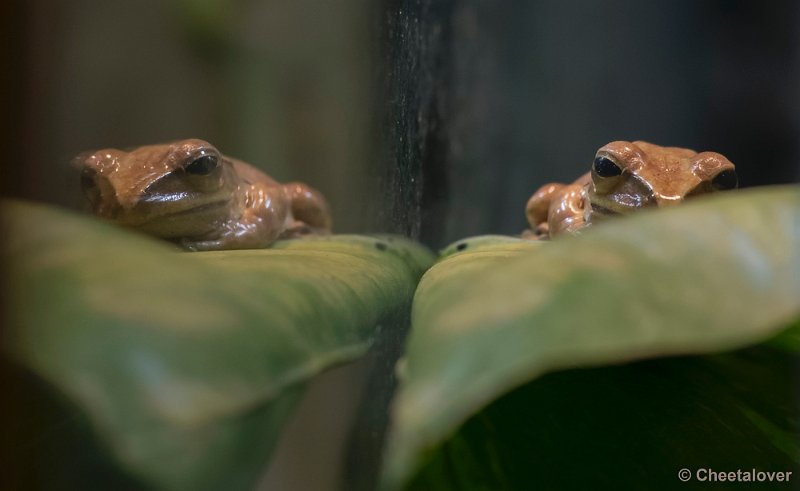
(188, 192)
(626, 176)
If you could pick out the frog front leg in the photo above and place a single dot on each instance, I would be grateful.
(538, 209)
(309, 209)
(557, 208)
(568, 213)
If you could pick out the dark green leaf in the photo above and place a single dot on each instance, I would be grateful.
(187, 364)
(711, 276)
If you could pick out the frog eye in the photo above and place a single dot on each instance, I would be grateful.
(725, 180)
(202, 166)
(605, 167)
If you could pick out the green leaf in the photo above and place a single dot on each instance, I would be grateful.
(187, 364)
(711, 276)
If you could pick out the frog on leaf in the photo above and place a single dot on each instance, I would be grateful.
(625, 177)
(188, 192)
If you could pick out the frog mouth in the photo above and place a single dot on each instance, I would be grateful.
(173, 214)
(198, 209)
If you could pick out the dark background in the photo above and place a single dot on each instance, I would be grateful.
(500, 97)
(436, 120)
(420, 117)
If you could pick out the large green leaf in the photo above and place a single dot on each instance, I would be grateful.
(187, 364)
(712, 276)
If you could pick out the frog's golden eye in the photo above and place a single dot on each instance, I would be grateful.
(725, 180)
(605, 167)
(202, 166)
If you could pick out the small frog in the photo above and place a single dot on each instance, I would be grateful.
(188, 192)
(626, 176)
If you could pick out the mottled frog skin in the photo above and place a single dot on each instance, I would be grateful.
(625, 177)
(189, 193)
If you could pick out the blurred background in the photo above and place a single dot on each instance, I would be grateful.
(437, 118)
(282, 84)
(525, 92)
(434, 119)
